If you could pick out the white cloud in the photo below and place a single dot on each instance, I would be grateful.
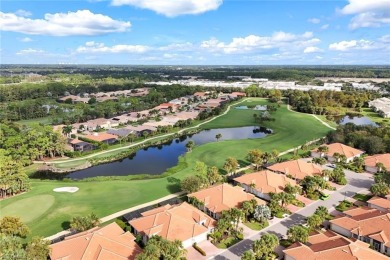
(281, 40)
(314, 20)
(187, 46)
(353, 45)
(325, 26)
(29, 51)
(369, 13)
(312, 49)
(26, 39)
(93, 47)
(172, 8)
(23, 13)
(81, 22)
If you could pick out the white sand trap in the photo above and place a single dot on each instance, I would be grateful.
(66, 189)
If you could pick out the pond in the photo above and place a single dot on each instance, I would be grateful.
(157, 159)
(357, 120)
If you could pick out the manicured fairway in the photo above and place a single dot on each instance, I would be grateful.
(103, 198)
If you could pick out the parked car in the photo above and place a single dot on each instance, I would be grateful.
(331, 165)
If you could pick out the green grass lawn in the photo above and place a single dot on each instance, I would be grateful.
(255, 225)
(106, 197)
(228, 242)
(42, 120)
(375, 116)
(362, 197)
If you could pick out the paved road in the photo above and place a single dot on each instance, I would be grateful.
(356, 183)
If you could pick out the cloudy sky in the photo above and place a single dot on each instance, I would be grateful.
(180, 32)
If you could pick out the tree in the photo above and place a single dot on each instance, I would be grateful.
(191, 184)
(66, 130)
(201, 171)
(298, 234)
(248, 255)
(379, 189)
(80, 223)
(338, 176)
(380, 167)
(262, 212)
(284, 198)
(323, 149)
(213, 175)
(236, 216)
(189, 145)
(160, 248)
(11, 247)
(231, 164)
(13, 226)
(255, 157)
(145, 134)
(247, 208)
(265, 245)
(291, 189)
(323, 212)
(218, 136)
(38, 248)
(314, 221)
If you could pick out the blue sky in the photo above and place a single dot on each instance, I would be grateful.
(185, 32)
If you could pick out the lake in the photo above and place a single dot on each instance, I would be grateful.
(157, 159)
(357, 120)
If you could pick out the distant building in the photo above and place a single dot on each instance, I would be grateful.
(102, 137)
(382, 106)
(297, 169)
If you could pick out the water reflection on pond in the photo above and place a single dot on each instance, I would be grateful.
(357, 120)
(157, 159)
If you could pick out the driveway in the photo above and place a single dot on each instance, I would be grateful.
(357, 182)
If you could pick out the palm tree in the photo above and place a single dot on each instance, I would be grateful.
(145, 134)
(66, 130)
(247, 209)
(218, 136)
(380, 167)
(230, 165)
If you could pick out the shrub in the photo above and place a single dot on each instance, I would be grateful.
(120, 223)
(200, 250)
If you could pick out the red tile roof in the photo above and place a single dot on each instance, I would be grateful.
(100, 137)
(180, 222)
(109, 242)
(371, 161)
(266, 181)
(224, 197)
(299, 169)
(342, 149)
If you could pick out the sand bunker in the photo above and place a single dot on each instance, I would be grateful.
(66, 189)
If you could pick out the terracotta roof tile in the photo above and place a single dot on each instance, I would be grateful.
(109, 242)
(266, 181)
(342, 149)
(299, 169)
(371, 161)
(380, 202)
(223, 197)
(180, 222)
(100, 137)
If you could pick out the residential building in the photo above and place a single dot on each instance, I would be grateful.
(81, 146)
(349, 152)
(297, 169)
(167, 107)
(379, 203)
(100, 243)
(140, 129)
(381, 105)
(329, 245)
(74, 99)
(222, 197)
(102, 137)
(120, 132)
(262, 183)
(98, 123)
(370, 162)
(182, 222)
(372, 227)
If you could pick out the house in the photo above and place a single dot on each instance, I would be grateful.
(297, 169)
(201, 95)
(109, 242)
(102, 137)
(329, 245)
(97, 123)
(120, 132)
(140, 129)
(264, 182)
(167, 107)
(235, 95)
(372, 227)
(182, 222)
(222, 197)
(379, 203)
(74, 99)
(370, 162)
(81, 146)
(337, 148)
